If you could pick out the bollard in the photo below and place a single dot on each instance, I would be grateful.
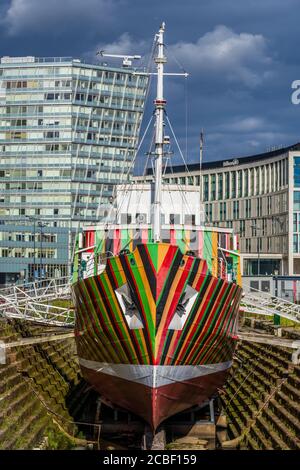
(2, 353)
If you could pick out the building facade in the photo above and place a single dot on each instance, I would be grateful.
(259, 197)
(68, 134)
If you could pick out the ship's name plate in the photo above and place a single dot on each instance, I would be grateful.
(231, 162)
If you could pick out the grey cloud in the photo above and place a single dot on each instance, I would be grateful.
(242, 58)
(30, 16)
(237, 56)
(122, 45)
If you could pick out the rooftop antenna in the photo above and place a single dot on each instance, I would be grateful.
(200, 166)
(127, 59)
(201, 160)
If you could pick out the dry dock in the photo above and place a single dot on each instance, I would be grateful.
(45, 403)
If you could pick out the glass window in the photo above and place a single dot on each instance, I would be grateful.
(242, 228)
(248, 208)
(236, 209)
(268, 178)
(297, 172)
(205, 188)
(265, 286)
(189, 219)
(263, 179)
(227, 185)
(213, 187)
(246, 182)
(272, 177)
(254, 286)
(233, 184)
(174, 219)
(295, 243)
(220, 185)
(257, 174)
(252, 181)
(297, 200)
(222, 211)
(240, 183)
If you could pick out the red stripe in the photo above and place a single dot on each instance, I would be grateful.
(212, 314)
(202, 307)
(172, 237)
(222, 315)
(164, 269)
(117, 241)
(174, 303)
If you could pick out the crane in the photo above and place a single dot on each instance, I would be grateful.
(127, 59)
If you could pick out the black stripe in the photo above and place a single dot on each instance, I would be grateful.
(135, 298)
(194, 271)
(112, 279)
(151, 275)
(170, 334)
(166, 289)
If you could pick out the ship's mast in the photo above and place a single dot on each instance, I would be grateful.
(160, 103)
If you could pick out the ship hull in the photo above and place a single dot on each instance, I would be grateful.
(156, 403)
(155, 331)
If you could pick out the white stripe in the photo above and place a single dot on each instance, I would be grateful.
(154, 376)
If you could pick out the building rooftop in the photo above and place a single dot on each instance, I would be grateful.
(39, 61)
(231, 161)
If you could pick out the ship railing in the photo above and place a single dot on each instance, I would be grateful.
(95, 264)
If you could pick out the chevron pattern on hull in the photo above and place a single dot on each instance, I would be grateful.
(156, 306)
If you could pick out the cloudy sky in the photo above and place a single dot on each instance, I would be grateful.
(242, 58)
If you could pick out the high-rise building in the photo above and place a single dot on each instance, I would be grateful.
(68, 134)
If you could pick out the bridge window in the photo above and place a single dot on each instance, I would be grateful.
(174, 219)
(190, 219)
(126, 218)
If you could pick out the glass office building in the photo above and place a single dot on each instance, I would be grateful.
(259, 197)
(68, 133)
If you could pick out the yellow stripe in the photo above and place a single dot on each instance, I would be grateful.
(120, 269)
(142, 272)
(214, 240)
(162, 252)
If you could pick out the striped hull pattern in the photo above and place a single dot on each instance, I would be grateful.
(125, 318)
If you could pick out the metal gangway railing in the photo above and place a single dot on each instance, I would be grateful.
(262, 303)
(32, 302)
(41, 289)
(40, 313)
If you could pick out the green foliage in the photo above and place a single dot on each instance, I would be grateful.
(58, 441)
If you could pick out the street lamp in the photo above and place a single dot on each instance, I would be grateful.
(41, 225)
(258, 249)
(33, 219)
(276, 317)
(276, 272)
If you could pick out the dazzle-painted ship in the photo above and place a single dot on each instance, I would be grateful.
(157, 294)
